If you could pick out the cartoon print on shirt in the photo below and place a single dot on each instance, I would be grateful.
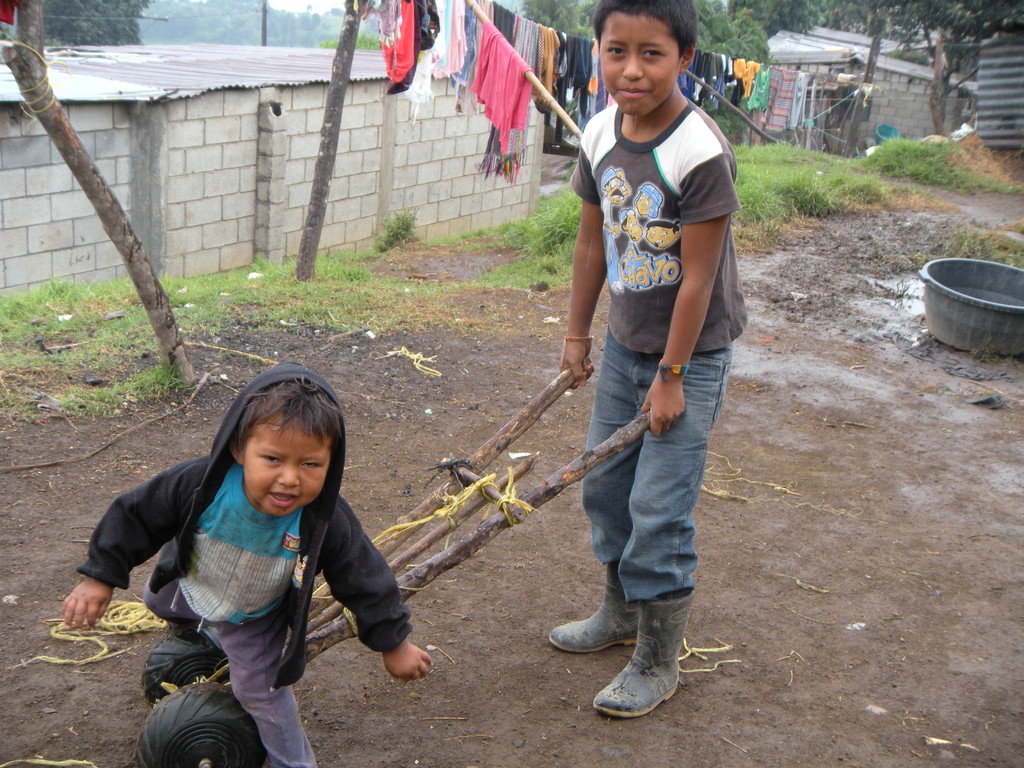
(300, 570)
(291, 542)
(647, 261)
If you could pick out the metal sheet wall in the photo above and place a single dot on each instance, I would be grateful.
(1001, 92)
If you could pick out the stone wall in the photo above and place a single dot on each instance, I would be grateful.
(215, 181)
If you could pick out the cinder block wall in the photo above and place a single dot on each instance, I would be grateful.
(215, 181)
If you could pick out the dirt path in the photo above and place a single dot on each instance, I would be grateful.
(861, 542)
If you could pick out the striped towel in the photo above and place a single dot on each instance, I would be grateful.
(780, 98)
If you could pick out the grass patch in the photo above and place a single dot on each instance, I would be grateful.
(973, 243)
(398, 228)
(949, 165)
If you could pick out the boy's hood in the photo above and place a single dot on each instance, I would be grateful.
(221, 459)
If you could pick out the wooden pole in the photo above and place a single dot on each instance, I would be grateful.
(736, 110)
(25, 59)
(538, 87)
(323, 171)
(330, 634)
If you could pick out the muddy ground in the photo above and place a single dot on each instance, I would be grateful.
(860, 542)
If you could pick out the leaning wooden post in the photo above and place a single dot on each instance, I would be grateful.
(341, 71)
(26, 62)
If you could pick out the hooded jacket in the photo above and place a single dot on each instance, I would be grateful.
(161, 515)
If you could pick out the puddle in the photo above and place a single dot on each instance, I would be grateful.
(906, 295)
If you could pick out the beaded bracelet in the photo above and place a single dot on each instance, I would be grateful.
(577, 338)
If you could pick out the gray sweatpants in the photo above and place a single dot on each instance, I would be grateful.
(254, 653)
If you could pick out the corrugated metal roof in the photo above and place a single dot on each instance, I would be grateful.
(833, 47)
(152, 72)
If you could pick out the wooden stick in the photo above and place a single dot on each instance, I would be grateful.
(541, 91)
(487, 452)
(323, 638)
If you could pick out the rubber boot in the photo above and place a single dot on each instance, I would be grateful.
(652, 675)
(614, 622)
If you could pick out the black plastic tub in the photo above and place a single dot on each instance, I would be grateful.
(975, 305)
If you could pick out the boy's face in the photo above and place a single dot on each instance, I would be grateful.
(283, 469)
(640, 63)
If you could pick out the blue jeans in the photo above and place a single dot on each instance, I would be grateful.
(640, 502)
(253, 649)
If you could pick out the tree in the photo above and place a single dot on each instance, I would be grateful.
(569, 16)
(791, 15)
(93, 22)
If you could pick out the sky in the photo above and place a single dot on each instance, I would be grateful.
(299, 6)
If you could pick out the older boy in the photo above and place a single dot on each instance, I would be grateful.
(656, 179)
(242, 534)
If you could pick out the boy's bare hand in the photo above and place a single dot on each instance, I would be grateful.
(407, 662)
(576, 357)
(86, 604)
(665, 402)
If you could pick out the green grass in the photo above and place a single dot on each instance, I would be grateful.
(972, 243)
(932, 164)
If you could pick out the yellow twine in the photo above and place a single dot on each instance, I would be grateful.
(452, 504)
(30, 104)
(700, 654)
(417, 360)
(40, 761)
(508, 500)
(122, 618)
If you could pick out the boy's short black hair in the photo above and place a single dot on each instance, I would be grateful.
(293, 403)
(679, 15)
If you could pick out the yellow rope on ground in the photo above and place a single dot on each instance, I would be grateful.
(122, 618)
(40, 761)
(700, 654)
(417, 360)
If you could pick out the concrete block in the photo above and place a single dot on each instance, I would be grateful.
(236, 256)
(461, 186)
(174, 266)
(201, 212)
(108, 256)
(185, 133)
(174, 111)
(249, 128)
(241, 101)
(85, 117)
(364, 139)
(181, 189)
(431, 130)
(27, 270)
(44, 238)
(427, 173)
(312, 97)
(187, 240)
(48, 180)
(112, 143)
(367, 206)
(224, 130)
(12, 182)
(220, 233)
(88, 231)
(205, 106)
(362, 185)
(303, 146)
(403, 177)
(223, 182)
(238, 206)
(74, 261)
(202, 159)
(26, 211)
(174, 216)
(101, 275)
(246, 230)
(353, 117)
(204, 262)
(239, 154)
(28, 152)
(13, 242)
(71, 205)
(448, 209)
(370, 162)
(438, 229)
(442, 149)
(175, 162)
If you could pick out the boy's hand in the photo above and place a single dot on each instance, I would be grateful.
(665, 402)
(407, 662)
(86, 604)
(576, 357)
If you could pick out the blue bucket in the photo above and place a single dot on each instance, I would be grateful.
(884, 132)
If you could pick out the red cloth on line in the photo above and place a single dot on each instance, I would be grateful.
(501, 84)
(400, 56)
(7, 10)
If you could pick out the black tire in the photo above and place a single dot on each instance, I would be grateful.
(183, 657)
(197, 722)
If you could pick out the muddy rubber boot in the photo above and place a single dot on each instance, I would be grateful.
(614, 622)
(652, 675)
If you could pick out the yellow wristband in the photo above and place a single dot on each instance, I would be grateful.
(678, 370)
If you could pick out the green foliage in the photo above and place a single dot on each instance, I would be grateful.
(551, 230)
(230, 22)
(569, 16)
(397, 229)
(932, 164)
(972, 243)
(93, 22)
(793, 15)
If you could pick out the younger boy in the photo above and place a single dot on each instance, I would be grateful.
(242, 534)
(656, 179)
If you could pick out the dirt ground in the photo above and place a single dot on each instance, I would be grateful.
(860, 541)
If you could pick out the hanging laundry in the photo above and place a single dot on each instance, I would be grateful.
(759, 93)
(780, 98)
(501, 84)
(7, 8)
(549, 45)
(796, 114)
(455, 39)
(401, 55)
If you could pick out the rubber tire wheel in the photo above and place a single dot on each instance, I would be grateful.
(200, 721)
(183, 657)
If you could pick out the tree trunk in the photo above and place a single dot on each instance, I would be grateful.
(938, 85)
(853, 135)
(29, 71)
(341, 70)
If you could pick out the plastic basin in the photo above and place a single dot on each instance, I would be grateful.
(885, 131)
(975, 305)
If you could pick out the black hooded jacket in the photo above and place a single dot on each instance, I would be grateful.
(161, 516)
